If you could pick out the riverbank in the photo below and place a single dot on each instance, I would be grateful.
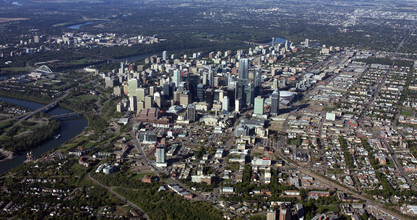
(68, 130)
(24, 98)
(7, 155)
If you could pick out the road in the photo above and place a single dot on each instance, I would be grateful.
(144, 159)
(381, 83)
(45, 107)
(118, 196)
(337, 185)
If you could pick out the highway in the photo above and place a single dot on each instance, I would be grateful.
(45, 107)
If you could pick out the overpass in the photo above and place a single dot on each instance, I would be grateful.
(41, 109)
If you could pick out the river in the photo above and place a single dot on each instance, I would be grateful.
(278, 40)
(69, 129)
(77, 26)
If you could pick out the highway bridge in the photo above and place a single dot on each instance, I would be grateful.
(68, 115)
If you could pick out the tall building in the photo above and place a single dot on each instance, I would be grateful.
(225, 103)
(151, 90)
(132, 103)
(185, 98)
(240, 92)
(275, 103)
(117, 91)
(205, 78)
(306, 43)
(122, 68)
(164, 55)
(140, 94)
(140, 105)
(244, 69)
(160, 156)
(271, 215)
(249, 94)
(259, 106)
(275, 84)
(209, 97)
(229, 80)
(176, 78)
(158, 99)
(257, 81)
(284, 212)
(221, 95)
(200, 92)
(216, 83)
(36, 39)
(192, 82)
(211, 77)
(191, 113)
(167, 90)
(148, 102)
(273, 42)
(133, 85)
(237, 105)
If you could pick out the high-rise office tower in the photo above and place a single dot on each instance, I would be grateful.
(275, 84)
(244, 69)
(191, 113)
(160, 156)
(151, 90)
(237, 105)
(132, 103)
(205, 78)
(225, 103)
(140, 105)
(229, 79)
(275, 103)
(133, 85)
(273, 42)
(182, 87)
(209, 97)
(122, 68)
(257, 81)
(259, 106)
(221, 95)
(192, 82)
(185, 98)
(200, 92)
(176, 78)
(148, 102)
(167, 90)
(211, 78)
(36, 39)
(216, 83)
(140, 94)
(249, 94)
(164, 55)
(306, 43)
(240, 92)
